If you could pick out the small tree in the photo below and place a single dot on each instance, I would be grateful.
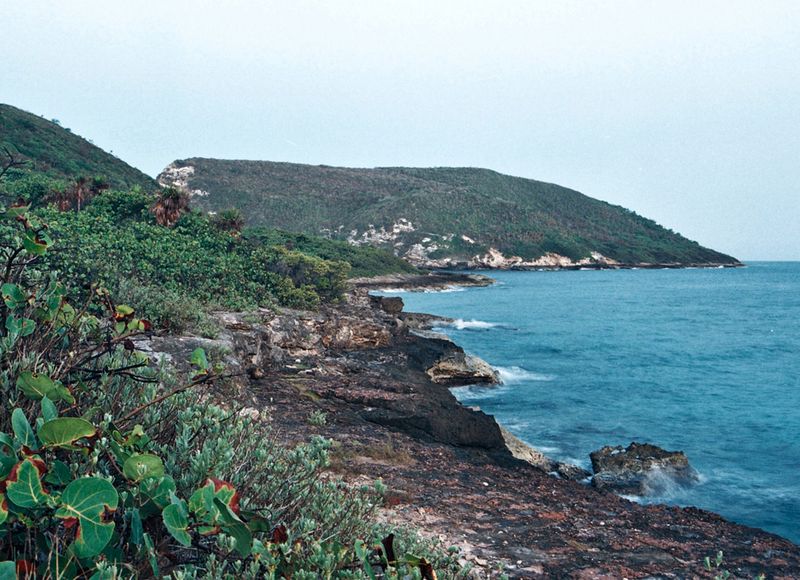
(170, 205)
(80, 193)
(229, 220)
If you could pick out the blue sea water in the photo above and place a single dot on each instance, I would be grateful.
(702, 360)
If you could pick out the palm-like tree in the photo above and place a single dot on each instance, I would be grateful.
(229, 220)
(170, 205)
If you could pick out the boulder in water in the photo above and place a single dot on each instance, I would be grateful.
(639, 469)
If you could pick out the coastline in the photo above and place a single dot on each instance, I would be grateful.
(449, 468)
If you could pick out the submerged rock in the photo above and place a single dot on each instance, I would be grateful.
(639, 469)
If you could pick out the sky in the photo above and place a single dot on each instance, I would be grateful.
(687, 112)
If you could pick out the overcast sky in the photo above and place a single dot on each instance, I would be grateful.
(686, 112)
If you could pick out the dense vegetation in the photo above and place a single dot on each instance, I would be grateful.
(59, 154)
(111, 234)
(363, 260)
(111, 467)
(518, 216)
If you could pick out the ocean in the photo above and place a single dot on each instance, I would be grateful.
(706, 361)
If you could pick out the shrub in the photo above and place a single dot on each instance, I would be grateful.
(110, 468)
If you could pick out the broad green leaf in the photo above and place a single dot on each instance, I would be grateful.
(49, 411)
(242, 536)
(22, 430)
(361, 554)
(201, 504)
(143, 466)
(199, 359)
(35, 385)
(8, 570)
(204, 501)
(87, 500)
(65, 431)
(6, 442)
(19, 327)
(7, 463)
(24, 484)
(151, 555)
(136, 527)
(157, 493)
(176, 520)
(36, 245)
(17, 209)
(124, 310)
(13, 296)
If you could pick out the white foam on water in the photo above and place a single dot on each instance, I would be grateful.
(548, 450)
(473, 324)
(513, 375)
(446, 289)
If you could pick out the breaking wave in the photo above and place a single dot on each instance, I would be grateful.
(473, 324)
(512, 375)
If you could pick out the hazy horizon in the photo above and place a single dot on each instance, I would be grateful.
(684, 113)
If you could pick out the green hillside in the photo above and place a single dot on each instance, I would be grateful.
(454, 213)
(53, 158)
(60, 154)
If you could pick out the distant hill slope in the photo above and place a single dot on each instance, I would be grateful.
(59, 153)
(439, 217)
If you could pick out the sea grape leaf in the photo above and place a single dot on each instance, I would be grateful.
(157, 493)
(176, 520)
(123, 311)
(17, 209)
(34, 385)
(86, 500)
(64, 431)
(49, 410)
(199, 359)
(13, 296)
(24, 483)
(151, 554)
(141, 466)
(203, 502)
(7, 442)
(35, 244)
(226, 493)
(7, 463)
(22, 430)
(8, 570)
(19, 327)
(136, 527)
(243, 538)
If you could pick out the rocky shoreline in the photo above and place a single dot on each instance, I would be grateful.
(453, 471)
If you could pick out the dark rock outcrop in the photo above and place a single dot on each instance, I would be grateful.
(389, 304)
(638, 468)
(449, 469)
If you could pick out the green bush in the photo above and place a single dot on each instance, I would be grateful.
(115, 242)
(110, 468)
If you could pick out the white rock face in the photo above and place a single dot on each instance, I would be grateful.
(380, 236)
(419, 255)
(178, 177)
